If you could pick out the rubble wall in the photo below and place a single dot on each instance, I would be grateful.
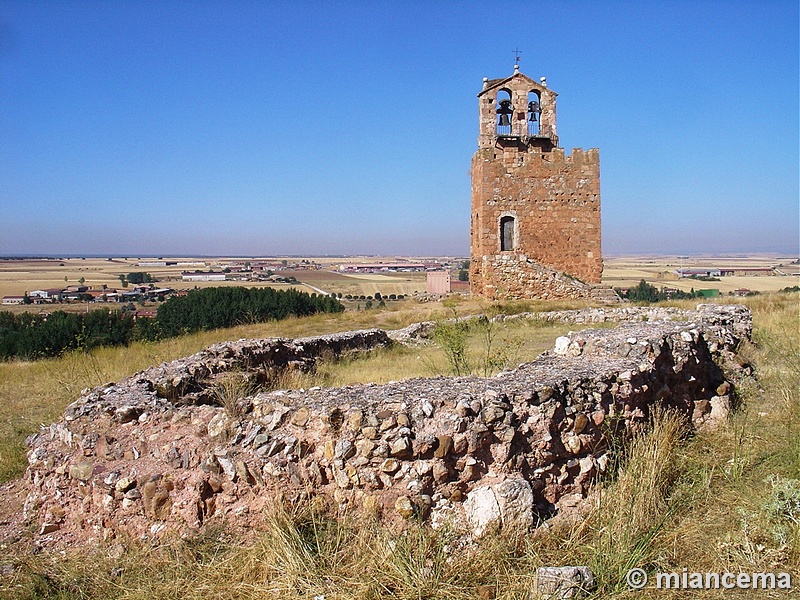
(152, 454)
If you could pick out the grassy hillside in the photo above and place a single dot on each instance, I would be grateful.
(716, 501)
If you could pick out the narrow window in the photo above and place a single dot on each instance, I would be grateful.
(506, 234)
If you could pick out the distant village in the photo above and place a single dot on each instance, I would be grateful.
(141, 287)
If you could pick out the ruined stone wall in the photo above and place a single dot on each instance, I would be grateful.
(143, 457)
(514, 277)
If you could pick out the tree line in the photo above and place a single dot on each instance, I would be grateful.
(31, 336)
(647, 293)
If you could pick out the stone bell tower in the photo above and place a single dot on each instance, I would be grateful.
(535, 211)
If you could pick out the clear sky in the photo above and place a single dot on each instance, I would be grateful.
(347, 127)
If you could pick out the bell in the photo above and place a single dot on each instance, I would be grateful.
(504, 120)
(533, 109)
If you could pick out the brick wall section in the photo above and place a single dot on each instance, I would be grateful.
(554, 198)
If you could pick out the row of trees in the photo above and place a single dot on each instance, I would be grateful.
(136, 278)
(644, 292)
(216, 307)
(33, 336)
(37, 336)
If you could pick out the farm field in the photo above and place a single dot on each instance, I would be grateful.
(18, 276)
(626, 271)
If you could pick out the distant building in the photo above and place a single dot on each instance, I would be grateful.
(699, 272)
(203, 276)
(438, 282)
(50, 294)
(144, 314)
(725, 271)
(13, 300)
(381, 267)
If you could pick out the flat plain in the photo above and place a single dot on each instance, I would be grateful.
(18, 276)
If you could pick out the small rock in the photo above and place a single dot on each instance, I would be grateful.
(445, 446)
(354, 420)
(300, 417)
(427, 408)
(602, 463)
(218, 425)
(490, 414)
(387, 423)
(49, 528)
(365, 447)
(581, 421)
(561, 583)
(573, 444)
(329, 449)
(344, 449)
(390, 465)
(482, 511)
(82, 470)
(124, 484)
(514, 498)
(126, 414)
(401, 447)
(561, 346)
(440, 471)
(404, 506)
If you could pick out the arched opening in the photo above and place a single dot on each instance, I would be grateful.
(534, 113)
(506, 234)
(504, 112)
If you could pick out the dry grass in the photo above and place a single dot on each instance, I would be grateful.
(723, 500)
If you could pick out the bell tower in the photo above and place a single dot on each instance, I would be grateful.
(535, 210)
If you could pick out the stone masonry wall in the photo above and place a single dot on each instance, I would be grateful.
(151, 454)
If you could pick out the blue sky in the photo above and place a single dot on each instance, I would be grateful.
(264, 128)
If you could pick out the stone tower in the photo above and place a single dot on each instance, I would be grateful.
(535, 211)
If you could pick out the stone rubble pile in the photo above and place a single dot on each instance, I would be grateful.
(515, 276)
(154, 453)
